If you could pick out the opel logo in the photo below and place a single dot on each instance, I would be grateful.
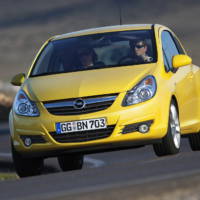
(79, 104)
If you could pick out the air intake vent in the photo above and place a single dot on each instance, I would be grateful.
(83, 136)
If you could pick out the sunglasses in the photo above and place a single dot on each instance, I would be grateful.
(138, 46)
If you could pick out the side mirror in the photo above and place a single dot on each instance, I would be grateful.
(181, 60)
(18, 79)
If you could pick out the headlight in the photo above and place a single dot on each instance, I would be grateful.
(143, 91)
(24, 106)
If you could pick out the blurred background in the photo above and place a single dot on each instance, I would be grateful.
(26, 24)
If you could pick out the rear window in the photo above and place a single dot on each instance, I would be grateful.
(96, 51)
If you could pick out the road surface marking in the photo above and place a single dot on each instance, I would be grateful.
(95, 163)
(5, 155)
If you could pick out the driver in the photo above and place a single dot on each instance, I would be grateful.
(138, 54)
(139, 49)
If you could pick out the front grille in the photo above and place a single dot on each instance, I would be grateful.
(83, 136)
(90, 104)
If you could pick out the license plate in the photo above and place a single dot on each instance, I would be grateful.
(81, 125)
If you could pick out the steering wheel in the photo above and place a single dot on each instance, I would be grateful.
(126, 61)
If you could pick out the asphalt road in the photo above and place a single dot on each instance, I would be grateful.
(104, 176)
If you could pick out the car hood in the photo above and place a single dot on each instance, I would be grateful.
(86, 83)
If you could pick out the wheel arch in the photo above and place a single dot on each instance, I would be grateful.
(173, 98)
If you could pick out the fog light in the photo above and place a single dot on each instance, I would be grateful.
(27, 142)
(143, 128)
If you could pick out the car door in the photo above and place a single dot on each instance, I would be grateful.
(183, 80)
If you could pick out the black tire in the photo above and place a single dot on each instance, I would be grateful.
(194, 140)
(26, 166)
(70, 162)
(169, 145)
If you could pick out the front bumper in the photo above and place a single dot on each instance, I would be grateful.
(116, 115)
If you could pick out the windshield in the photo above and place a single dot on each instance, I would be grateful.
(96, 51)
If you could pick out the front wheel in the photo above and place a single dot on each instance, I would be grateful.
(70, 162)
(26, 166)
(171, 142)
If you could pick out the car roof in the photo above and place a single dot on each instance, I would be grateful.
(104, 30)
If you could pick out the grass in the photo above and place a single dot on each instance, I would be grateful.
(8, 176)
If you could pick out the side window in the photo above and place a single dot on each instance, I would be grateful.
(167, 66)
(178, 45)
(169, 49)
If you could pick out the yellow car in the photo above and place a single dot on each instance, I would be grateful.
(104, 89)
